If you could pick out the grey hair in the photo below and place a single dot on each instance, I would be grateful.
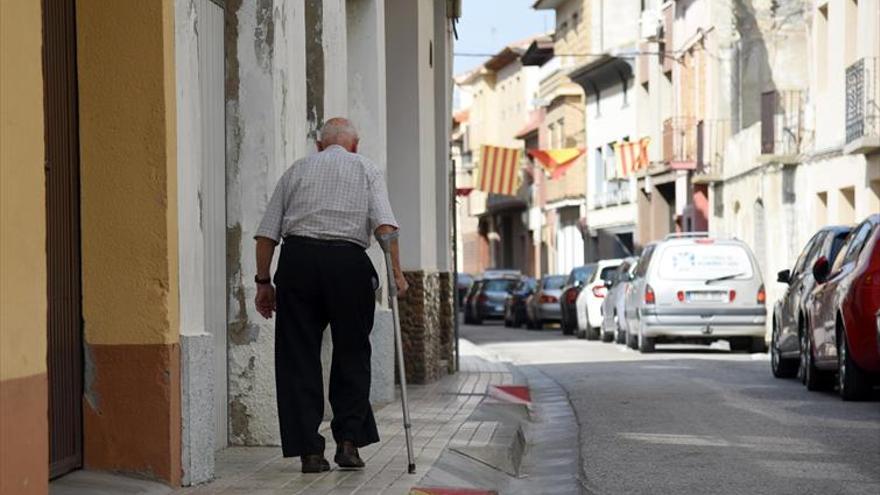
(338, 129)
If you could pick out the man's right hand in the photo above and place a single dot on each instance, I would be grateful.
(265, 300)
(402, 285)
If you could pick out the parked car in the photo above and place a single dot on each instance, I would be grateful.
(789, 311)
(469, 300)
(543, 305)
(841, 330)
(613, 322)
(573, 285)
(694, 288)
(515, 305)
(589, 301)
(488, 300)
(463, 282)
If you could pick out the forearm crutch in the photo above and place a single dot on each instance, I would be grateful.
(385, 242)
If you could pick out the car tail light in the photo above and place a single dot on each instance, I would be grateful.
(571, 296)
(680, 296)
(548, 299)
(705, 241)
(483, 298)
(650, 298)
(599, 291)
(732, 296)
(762, 295)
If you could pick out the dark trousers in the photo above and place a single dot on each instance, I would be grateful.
(319, 284)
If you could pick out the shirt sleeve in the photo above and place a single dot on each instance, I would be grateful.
(380, 207)
(273, 218)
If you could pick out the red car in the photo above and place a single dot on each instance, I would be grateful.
(841, 331)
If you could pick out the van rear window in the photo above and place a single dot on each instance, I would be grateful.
(705, 261)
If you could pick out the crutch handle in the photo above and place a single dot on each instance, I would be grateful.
(385, 239)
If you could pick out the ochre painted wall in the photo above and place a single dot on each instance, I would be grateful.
(23, 390)
(129, 236)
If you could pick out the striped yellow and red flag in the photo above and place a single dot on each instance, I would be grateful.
(632, 156)
(499, 170)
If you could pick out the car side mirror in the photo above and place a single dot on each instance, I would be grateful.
(820, 269)
(784, 277)
(609, 283)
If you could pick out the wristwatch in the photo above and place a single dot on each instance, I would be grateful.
(262, 281)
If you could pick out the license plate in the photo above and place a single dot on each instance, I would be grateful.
(499, 308)
(707, 296)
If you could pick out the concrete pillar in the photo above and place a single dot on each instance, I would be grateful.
(440, 60)
(366, 108)
(411, 154)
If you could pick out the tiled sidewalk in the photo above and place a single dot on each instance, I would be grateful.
(439, 413)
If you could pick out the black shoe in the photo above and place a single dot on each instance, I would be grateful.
(347, 456)
(314, 463)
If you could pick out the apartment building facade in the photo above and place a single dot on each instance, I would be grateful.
(806, 151)
(559, 235)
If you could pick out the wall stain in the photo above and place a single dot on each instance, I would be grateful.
(314, 17)
(90, 373)
(241, 330)
(264, 35)
(231, 48)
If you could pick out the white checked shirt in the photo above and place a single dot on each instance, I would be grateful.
(331, 195)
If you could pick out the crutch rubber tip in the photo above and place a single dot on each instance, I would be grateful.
(412, 469)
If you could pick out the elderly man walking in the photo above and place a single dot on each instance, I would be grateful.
(326, 207)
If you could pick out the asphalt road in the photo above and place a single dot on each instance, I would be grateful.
(693, 419)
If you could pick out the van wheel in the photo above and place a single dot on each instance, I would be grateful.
(581, 334)
(646, 344)
(607, 336)
(852, 382)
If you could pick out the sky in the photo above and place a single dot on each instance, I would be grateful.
(486, 26)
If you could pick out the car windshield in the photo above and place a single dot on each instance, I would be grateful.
(581, 274)
(607, 272)
(553, 283)
(499, 285)
(699, 261)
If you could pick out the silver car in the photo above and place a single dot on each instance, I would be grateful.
(543, 305)
(613, 322)
(693, 288)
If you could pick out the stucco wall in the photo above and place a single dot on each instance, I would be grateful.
(129, 237)
(23, 389)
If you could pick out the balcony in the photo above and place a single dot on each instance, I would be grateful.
(711, 139)
(698, 145)
(680, 142)
(863, 106)
(783, 133)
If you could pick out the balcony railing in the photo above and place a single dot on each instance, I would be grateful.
(696, 144)
(711, 139)
(863, 102)
(680, 140)
(783, 132)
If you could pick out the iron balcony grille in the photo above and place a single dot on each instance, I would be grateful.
(862, 99)
(783, 130)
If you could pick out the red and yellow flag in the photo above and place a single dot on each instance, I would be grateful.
(499, 170)
(631, 156)
(557, 161)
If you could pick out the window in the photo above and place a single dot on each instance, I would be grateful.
(625, 93)
(821, 209)
(644, 261)
(553, 283)
(806, 254)
(854, 245)
(705, 261)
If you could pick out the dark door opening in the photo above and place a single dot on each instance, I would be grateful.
(64, 289)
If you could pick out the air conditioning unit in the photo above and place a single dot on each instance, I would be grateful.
(650, 25)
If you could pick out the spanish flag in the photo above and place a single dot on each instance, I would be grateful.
(557, 161)
(499, 170)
